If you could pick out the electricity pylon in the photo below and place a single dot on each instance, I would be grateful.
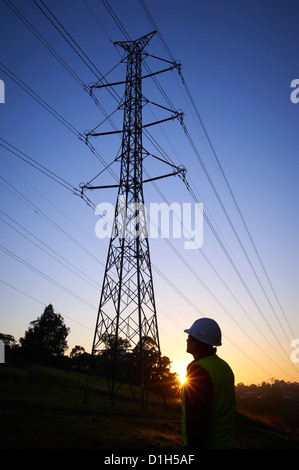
(127, 308)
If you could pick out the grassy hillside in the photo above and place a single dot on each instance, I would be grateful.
(44, 409)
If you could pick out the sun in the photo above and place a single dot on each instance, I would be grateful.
(182, 377)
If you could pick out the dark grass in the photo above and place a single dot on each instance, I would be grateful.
(43, 409)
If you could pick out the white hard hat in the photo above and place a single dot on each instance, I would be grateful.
(206, 330)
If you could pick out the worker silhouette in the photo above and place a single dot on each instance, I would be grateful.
(208, 394)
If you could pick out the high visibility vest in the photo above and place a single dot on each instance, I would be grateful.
(222, 422)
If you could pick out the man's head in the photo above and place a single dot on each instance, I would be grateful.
(203, 335)
(198, 348)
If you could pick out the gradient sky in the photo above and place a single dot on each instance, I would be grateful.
(238, 59)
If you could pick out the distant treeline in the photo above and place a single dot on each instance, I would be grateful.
(272, 388)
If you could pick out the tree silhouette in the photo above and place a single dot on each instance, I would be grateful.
(154, 368)
(119, 361)
(8, 340)
(77, 351)
(122, 343)
(149, 354)
(45, 338)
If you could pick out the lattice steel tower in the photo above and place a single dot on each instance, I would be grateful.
(127, 308)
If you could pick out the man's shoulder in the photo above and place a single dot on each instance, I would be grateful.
(216, 365)
(195, 369)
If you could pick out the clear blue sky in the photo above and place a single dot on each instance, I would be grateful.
(238, 59)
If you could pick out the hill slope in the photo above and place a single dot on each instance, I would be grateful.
(43, 409)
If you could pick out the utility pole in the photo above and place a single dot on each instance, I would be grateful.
(127, 308)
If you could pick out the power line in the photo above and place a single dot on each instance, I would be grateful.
(42, 194)
(164, 45)
(42, 303)
(244, 284)
(128, 38)
(211, 293)
(73, 44)
(156, 269)
(45, 276)
(37, 98)
(60, 59)
(116, 19)
(231, 224)
(154, 25)
(97, 20)
(42, 214)
(164, 277)
(122, 29)
(68, 68)
(44, 42)
(34, 235)
(27, 231)
(39, 167)
(85, 326)
(194, 273)
(54, 113)
(86, 278)
(199, 312)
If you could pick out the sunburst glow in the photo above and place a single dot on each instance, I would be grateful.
(182, 377)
